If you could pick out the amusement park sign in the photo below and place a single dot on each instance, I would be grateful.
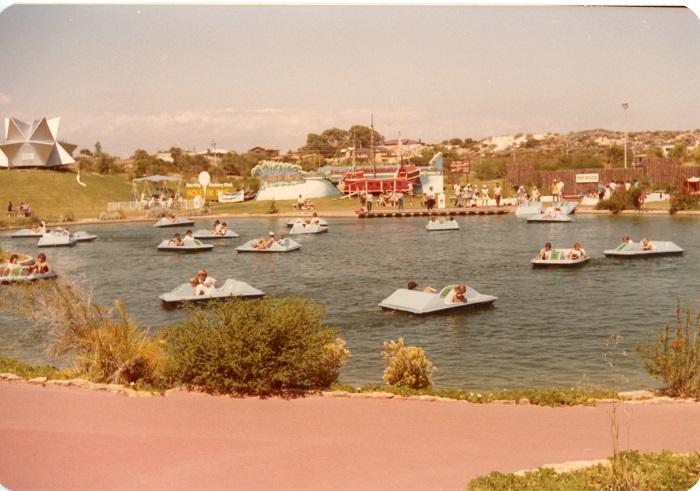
(584, 178)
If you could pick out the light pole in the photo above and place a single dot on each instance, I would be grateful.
(625, 106)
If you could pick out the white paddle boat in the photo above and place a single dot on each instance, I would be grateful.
(173, 222)
(281, 245)
(230, 288)
(208, 234)
(549, 217)
(634, 250)
(528, 209)
(27, 232)
(189, 246)
(321, 221)
(82, 236)
(301, 228)
(560, 258)
(18, 276)
(419, 302)
(442, 224)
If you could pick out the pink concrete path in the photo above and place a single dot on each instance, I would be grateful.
(69, 438)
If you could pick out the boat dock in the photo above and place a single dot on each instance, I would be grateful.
(393, 213)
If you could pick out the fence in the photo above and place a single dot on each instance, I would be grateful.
(186, 204)
(663, 173)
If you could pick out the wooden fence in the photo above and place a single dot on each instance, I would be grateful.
(661, 173)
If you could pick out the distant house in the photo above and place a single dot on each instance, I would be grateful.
(165, 157)
(263, 152)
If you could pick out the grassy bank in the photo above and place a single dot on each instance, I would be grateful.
(627, 470)
(56, 195)
(25, 370)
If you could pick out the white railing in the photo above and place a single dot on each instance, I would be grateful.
(186, 204)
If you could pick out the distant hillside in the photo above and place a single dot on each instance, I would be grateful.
(53, 194)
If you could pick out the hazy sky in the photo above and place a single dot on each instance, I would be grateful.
(156, 76)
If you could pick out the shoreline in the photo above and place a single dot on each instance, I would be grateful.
(351, 214)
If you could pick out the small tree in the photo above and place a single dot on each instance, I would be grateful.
(674, 356)
(407, 366)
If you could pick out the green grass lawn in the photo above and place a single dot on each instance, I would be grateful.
(56, 194)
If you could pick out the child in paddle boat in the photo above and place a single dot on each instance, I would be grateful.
(412, 285)
(223, 230)
(216, 228)
(545, 252)
(646, 245)
(12, 266)
(176, 240)
(458, 294)
(188, 238)
(263, 243)
(433, 218)
(315, 219)
(205, 283)
(577, 252)
(172, 218)
(40, 266)
(626, 240)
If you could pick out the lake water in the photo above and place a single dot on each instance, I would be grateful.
(548, 327)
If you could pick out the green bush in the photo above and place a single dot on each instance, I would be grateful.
(683, 200)
(674, 356)
(256, 347)
(407, 366)
(650, 471)
(622, 200)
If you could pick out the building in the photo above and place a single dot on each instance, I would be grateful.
(267, 153)
(34, 145)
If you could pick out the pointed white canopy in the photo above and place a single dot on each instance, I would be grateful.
(33, 145)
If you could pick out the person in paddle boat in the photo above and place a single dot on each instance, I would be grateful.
(433, 218)
(647, 245)
(412, 285)
(13, 267)
(458, 294)
(188, 239)
(40, 266)
(176, 240)
(204, 283)
(545, 252)
(223, 230)
(452, 219)
(577, 252)
(216, 228)
(315, 219)
(172, 218)
(626, 241)
(265, 243)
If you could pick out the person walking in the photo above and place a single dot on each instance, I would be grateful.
(497, 194)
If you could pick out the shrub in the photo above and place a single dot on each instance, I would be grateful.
(622, 200)
(674, 356)
(683, 200)
(104, 347)
(407, 366)
(256, 347)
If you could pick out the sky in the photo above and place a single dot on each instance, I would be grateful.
(158, 76)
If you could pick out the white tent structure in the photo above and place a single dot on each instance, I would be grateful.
(33, 145)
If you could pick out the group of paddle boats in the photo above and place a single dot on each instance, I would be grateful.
(58, 237)
(576, 256)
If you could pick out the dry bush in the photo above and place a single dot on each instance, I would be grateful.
(407, 366)
(104, 344)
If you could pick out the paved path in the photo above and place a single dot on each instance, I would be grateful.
(70, 438)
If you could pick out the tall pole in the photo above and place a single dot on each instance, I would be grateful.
(371, 139)
(624, 107)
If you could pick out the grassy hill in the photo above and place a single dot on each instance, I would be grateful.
(55, 194)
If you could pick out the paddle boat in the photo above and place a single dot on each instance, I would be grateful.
(566, 207)
(281, 245)
(189, 246)
(301, 228)
(56, 238)
(549, 216)
(321, 222)
(421, 303)
(231, 288)
(634, 250)
(20, 277)
(559, 258)
(173, 222)
(82, 236)
(442, 224)
(208, 234)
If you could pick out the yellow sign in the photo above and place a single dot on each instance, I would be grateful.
(194, 189)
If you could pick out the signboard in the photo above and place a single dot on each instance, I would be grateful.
(459, 167)
(586, 178)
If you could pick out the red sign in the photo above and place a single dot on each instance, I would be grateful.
(460, 167)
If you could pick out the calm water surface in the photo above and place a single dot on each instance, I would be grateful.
(548, 327)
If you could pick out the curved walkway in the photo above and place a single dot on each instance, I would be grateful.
(70, 438)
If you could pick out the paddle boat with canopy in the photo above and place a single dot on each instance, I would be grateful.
(421, 303)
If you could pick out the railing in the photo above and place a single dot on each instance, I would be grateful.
(186, 204)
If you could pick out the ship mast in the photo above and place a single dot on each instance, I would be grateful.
(371, 139)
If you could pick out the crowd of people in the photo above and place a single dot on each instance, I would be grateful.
(24, 210)
(171, 202)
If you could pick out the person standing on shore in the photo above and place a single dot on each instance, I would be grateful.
(497, 194)
(484, 195)
(399, 200)
(368, 202)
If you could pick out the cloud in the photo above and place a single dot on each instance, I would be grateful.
(5, 99)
